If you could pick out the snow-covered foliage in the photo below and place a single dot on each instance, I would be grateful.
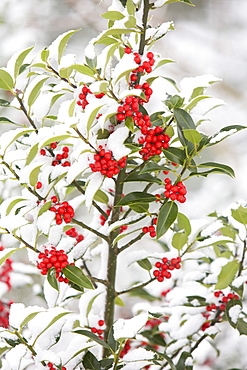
(94, 177)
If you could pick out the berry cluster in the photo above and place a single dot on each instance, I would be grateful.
(99, 332)
(59, 158)
(151, 229)
(154, 141)
(74, 234)
(53, 258)
(83, 97)
(143, 67)
(175, 192)
(130, 108)
(164, 267)
(5, 270)
(106, 164)
(4, 313)
(103, 221)
(51, 366)
(218, 308)
(63, 211)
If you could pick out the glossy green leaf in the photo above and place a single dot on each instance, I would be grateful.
(113, 15)
(28, 318)
(129, 123)
(32, 153)
(76, 276)
(101, 196)
(184, 121)
(143, 177)
(156, 118)
(92, 116)
(130, 7)
(4, 103)
(92, 336)
(53, 321)
(183, 223)
(53, 139)
(45, 207)
(167, 215)
(36, 91)
(143, 294)
(145, 264)
(19, 61)
(119, 302)
(106, 41)
(163, 62)
(135, 198)
(63, 42)
(131, 22)
(153, 167)
(85, 70)
(241, 327)
(218, 167)
(195, 101)
(175, 155)
(90, 304)
(45, 54)
(227, 274)
(6, 81)
(175, 101)
(6, 120)
(51, 278)
(179, 240)
(224, 133)
(193, 136)
(34, 174)
(12, 204)
(140, 208)
(240, 215)
(181, 365)
(172, 82)
(188, 2)
(90, 362)
(7, 253)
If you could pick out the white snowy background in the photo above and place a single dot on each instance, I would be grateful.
(210, 38)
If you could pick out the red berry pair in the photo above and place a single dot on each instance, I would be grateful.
(106, 164)
(164, 267)
(51, 366)
(56, 259)
(63, 212)
(176, 191)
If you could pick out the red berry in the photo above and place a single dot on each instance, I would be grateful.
(39, 185)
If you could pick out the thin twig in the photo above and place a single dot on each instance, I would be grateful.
(84, 226)
(136, 287)
(62, 78)
(23, 108)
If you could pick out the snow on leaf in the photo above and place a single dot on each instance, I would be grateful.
(116, 143)
(93, 184)
(130, 327)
